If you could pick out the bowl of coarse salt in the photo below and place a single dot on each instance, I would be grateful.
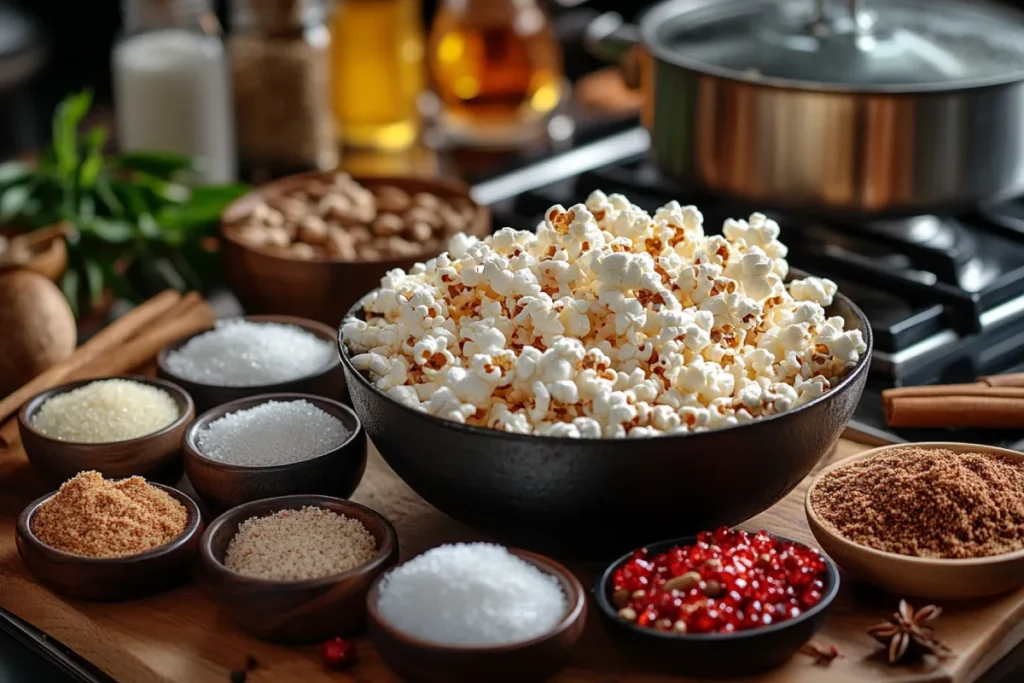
(274, 445)
(296, 569)
(472, 612)
(253, 355)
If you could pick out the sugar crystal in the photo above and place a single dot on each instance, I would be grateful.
(239, 353)
(106, 411)
(471, 594)
(272, 433)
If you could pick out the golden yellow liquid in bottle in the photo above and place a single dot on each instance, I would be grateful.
(377, 59)
(495, 62)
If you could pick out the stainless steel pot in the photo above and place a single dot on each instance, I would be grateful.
(892, 107)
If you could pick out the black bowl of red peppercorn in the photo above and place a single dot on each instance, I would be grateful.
(722, 603)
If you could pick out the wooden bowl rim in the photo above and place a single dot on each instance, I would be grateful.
(320, 330)
(328, 405)
(883, 557)
(182, 398)
(294, 501)
(449, 186)
(851, 377)
(193, 525)
(606, 608)
(576, 604)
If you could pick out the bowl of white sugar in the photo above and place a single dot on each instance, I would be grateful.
(471, 612)
(274, 445)
(253, 355)
(118, 426)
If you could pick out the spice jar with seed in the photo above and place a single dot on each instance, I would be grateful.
(280, 60)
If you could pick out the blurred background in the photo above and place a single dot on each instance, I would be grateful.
(51, 47)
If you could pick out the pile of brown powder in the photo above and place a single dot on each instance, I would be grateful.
(94, 517)
(927, 503)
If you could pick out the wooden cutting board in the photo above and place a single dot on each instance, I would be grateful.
(179, 636)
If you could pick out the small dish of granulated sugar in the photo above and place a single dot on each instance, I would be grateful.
(240, 353)
(272, 433)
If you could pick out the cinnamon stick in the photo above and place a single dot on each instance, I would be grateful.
(955, 411)
(138, 351)
(1015, 379)
(189, 315)
(115, 334)
(944, 390)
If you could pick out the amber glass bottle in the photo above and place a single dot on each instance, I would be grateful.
(495, 65)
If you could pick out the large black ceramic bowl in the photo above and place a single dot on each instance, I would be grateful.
(566, 495)
(714, 654)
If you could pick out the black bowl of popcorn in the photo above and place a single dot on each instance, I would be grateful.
(613, 378)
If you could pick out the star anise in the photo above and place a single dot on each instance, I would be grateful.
(907, 632)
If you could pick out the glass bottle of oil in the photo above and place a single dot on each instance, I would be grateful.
(377, 60)
(496, 67)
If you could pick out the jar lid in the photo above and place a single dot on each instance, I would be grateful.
(881, 45)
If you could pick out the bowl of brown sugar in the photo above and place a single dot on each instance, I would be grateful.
(101, 539)
(934, 520)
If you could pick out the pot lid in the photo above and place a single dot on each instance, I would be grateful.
(882, 45)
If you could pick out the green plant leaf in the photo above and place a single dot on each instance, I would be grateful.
(149, 228)
(66, 119)
(112, 230)
(14, 172)
(217, 194)
(95, 139)
(69, 285)
(164, 165)
(94, 281)
(13, 202)
(108, 198)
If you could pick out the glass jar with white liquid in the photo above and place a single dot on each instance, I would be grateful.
(172, 84)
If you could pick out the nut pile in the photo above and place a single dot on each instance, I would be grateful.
(340, 219)
(608, 322)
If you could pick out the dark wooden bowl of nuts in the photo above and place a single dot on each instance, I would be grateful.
(312, 244)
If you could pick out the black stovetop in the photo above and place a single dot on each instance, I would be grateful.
(945, 296)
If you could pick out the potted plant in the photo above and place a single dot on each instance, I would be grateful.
(133, 227)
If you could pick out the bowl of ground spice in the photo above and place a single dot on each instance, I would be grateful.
(932, 520)
(98, 539)
(118, 426)
(296, 569)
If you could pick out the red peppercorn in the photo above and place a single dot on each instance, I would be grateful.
(337, 653)
(736, 581)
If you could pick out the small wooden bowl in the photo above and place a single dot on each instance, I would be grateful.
(144, 455)
(922, 577)
(271, 281)
(714, 655)
(421, 661)
(120, 578)
(328, 382)
(223, 485)
(295, 612)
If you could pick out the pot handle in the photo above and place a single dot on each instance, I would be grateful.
(611, 39)
(608, 37)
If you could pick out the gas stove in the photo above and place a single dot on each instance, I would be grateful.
(944, 294)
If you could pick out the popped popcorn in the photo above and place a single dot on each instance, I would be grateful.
(605, 323)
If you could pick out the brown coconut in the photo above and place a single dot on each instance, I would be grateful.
(37, 327)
